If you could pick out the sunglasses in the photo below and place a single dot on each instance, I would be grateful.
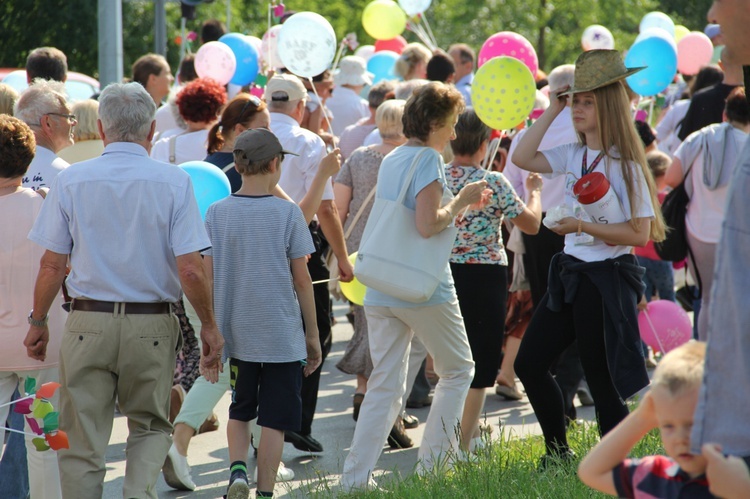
(72, 120)
(252, 100)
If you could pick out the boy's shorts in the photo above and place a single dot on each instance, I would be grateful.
(268, 391)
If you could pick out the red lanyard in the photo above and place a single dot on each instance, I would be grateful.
(588, 169)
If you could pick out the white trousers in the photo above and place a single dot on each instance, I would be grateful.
(441, 329)
(44, 475)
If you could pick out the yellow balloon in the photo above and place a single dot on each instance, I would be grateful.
(503, 92)
(383, 19)
(679, 32)
(354, 291)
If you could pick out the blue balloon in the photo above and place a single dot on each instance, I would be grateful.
(246, 55)
(660, 59)
(383, 66)
(210, 184)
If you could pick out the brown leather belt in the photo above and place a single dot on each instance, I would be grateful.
(124, 307)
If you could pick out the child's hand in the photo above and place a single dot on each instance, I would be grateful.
(643, 304)
(314, 355)
(534, 182)
(331, 163)
(646, 411)
(727, 476)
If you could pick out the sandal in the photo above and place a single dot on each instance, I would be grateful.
(508, 392)
(357, 403)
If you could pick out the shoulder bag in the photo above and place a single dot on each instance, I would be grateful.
(394, 258)
(674, 247)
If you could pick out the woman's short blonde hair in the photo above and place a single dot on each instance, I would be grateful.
(8, 98)
(86, 112)
(411, 56)
(388, 119)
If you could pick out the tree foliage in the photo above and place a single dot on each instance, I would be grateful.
(553, 26)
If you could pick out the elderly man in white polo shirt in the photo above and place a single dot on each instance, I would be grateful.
(286, 96)
(346, 104)
(43, 106)
(132, 230)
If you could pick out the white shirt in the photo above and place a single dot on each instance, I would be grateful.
(566, 162)
(123, 218)
(353, 137)
(43, 169)
(165, 119)
(347, 108)
(188, 147)
(560, 132)
(373, 139)
(669, 127)
(297, 172)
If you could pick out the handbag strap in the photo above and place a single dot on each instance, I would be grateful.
(359, 213)
(410, 177)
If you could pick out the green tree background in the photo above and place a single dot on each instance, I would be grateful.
(554, 27)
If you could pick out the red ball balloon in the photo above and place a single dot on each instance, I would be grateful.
(394, 44)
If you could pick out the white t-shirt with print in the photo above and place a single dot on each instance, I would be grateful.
(567, 160)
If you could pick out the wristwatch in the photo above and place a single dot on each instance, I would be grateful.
(37, 322)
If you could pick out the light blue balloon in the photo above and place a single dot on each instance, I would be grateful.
(657, 20)
(246, 55)
(660, 32)
(210, 184)
(383, 66)
(660, 59)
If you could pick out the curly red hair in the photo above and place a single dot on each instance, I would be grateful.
(201, 100)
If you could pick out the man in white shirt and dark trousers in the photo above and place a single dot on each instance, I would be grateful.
(286, 96)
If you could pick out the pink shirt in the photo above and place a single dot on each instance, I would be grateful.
(19, 266)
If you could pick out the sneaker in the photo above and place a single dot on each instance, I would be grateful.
(176, 471)
(283, 474)
(410, 421)
(584, 395)
(418, 404)
(239, 488)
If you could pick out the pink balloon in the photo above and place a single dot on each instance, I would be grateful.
(694, 51)
(394, 44)
(664, 326)
(512, 45)
(215, 60)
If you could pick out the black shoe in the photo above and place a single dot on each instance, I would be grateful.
(418, 404)
(556, 461)
(398, 439)
(410, 422)
(303, 442)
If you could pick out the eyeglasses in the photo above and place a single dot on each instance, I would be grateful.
(72, 120)
(252, 100)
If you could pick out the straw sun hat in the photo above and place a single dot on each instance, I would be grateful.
(598, 68)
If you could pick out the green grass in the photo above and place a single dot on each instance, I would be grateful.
(505, 468)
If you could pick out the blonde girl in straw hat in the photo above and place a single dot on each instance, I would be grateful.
(595, 283)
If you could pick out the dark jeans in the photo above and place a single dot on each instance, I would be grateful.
(14, 476)
(547, 336)
(310, 384)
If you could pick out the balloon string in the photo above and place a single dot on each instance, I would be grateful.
(325, 114)
(338, 56)
(325, 280)
(637, 106)
(420, 32)
(491, 151)
(268, 45)
(18, 400)
(20, 432)
(429, 29)
(653, 330)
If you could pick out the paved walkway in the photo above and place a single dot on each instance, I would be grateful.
(333, 426)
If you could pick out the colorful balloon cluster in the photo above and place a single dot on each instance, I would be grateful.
(41, 417)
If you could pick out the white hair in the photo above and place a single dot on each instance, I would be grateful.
(404, 89)
(126, 111)
(561, 76)
(42, 97)
(388, 118)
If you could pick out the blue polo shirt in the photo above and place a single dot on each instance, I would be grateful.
(123, 218)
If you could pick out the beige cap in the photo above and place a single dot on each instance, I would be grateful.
(258, 144)
(287, 84)
(599, 68)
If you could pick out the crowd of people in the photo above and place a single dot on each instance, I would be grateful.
(108, 250)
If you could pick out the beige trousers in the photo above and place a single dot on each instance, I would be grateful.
(106, 357)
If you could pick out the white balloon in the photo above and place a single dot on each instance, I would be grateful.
(657, 32)
(597, 37)
(215, 60)
(307, 44)
(257, 43)
(414, 7)
(269, 49)
(365, 51)
(657, 20)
